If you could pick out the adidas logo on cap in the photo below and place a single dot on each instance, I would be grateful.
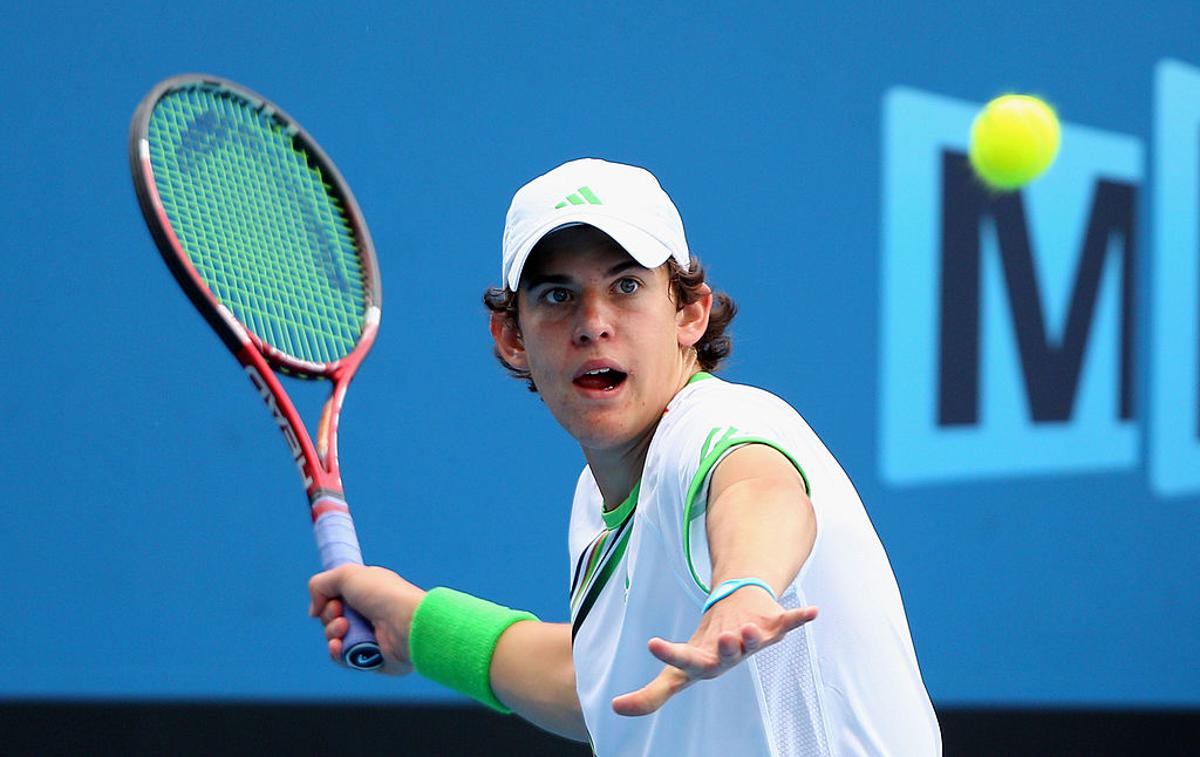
(579, 197)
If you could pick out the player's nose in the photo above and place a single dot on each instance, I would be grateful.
(593, 320)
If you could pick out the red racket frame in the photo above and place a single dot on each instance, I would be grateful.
(318, 464)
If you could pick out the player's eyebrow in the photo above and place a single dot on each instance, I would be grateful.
(536, 279)
(625, 265)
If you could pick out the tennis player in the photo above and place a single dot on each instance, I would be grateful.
(707, 523)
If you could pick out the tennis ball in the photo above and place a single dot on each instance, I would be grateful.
(1013, 140)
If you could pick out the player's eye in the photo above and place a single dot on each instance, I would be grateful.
(628, 285)
(556, 295)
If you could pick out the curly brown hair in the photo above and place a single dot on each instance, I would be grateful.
(686, 287)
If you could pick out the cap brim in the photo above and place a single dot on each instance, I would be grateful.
(647, 249)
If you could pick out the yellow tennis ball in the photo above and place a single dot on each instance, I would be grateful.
(1013, 140)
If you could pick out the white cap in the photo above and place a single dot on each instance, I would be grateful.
(625, 202)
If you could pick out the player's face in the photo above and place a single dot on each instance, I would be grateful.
(602, 337)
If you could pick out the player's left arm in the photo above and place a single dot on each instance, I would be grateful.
(760, 524)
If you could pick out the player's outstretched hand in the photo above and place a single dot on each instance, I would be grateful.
(733, 629)
(379, 595)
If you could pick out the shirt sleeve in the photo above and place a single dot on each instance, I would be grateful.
(697, 443)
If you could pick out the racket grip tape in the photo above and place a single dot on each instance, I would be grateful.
(337, 544)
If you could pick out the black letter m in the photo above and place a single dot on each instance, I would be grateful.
(1051, 371)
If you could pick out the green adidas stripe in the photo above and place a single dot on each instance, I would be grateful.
(583, 195)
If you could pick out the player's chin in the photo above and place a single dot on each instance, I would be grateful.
(581, 408)
(604, 430)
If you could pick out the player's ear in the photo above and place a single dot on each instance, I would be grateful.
(691, 321)
(509, 345)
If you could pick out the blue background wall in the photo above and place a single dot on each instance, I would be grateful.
(155, 543)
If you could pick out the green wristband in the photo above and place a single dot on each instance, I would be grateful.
(452, 638)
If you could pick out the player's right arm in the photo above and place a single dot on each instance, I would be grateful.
(533, 674)
(532, 671)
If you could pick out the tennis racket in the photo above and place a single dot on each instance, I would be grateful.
(264, 236)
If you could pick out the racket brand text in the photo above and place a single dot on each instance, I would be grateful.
(285, 428)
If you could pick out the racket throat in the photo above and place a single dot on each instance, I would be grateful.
(323, 431)
(327, 429)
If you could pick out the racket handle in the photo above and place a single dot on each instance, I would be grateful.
(338, 545)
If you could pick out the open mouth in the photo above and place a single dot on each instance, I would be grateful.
(600, 379)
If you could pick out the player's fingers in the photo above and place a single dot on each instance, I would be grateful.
(775, 629)
(319, 585)
(752, 637)
(328, 584)
(319, 592)
(653, 695)
(337, 628)
(683, 656)
(335, 650)
(793, 619)
(333, 609)
(701, 661)
(729, 648)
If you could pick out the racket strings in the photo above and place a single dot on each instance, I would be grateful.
(259, 222)
(278, 222)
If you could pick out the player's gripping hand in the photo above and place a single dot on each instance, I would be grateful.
(733, 629)
(381, 596)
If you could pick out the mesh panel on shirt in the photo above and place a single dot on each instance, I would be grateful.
(795, 724)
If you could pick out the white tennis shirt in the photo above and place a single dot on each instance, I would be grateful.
(845, 684)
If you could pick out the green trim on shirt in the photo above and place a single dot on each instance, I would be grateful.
(614, 518)
(709, 458)
(699, 377)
